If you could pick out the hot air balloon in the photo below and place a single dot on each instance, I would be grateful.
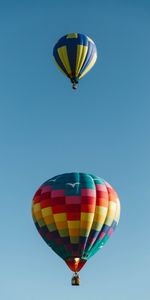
(75, 54)
(75, 213)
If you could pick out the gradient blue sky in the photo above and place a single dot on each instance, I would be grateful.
(46, 128)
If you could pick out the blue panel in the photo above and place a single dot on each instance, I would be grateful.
(105, 228)
(82, 40)
(75, 247)
(114, 224)
(72, 53)
(93, 234)
(61, 42)
(83, 239)
(91, 239)
(66, 240)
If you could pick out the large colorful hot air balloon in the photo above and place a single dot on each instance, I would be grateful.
(75, 54)
(75, 214)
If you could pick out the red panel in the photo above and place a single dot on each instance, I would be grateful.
(112, 196)
(46, 203)
(58, 200)
(75, 267)
(68, 247)
(102, 202)
(88, 200)
(49, 236)
(45, 196)
(102, 194)
(88, 208)
(59, 241)
(73, 199)
(37, 197)
(58, 193)
(46, 188)
(88, 192)
(73, 208)
(57, 209)
(73, 216)
(102, 235)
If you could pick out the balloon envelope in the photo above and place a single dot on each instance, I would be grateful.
(75, 213)
(75, 54)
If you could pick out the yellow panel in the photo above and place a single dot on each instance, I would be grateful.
(87, 216)
(101, 210)
(89, 66)
(81, 55)
(109, 221)
(48, 219)
(36, 207)
(107, 218)
(72, 36)
(38, 215)
(112, 205)
(73, 224)
(74, 240)
(86, 225)
(111, 214)
(60, 217)
(99, 218)
(84, 232)
(46, 211)
(117, 215)
(97, 225)
(61, 225)
(74, 232)
(62, 52)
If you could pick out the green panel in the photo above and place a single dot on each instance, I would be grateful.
(51, 227)
(41, 222)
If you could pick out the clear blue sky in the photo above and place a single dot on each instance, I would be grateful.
(46, 128)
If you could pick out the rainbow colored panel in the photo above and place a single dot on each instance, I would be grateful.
(76, 213)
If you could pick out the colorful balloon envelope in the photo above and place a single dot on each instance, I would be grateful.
(75, 54)
(76, 213)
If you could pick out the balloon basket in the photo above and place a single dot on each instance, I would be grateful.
(74, 83)
(75, 279)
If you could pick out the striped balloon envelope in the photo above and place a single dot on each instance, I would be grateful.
(75, 54)
(75, 213)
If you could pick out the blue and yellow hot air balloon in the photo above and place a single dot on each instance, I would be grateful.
(75, 54)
